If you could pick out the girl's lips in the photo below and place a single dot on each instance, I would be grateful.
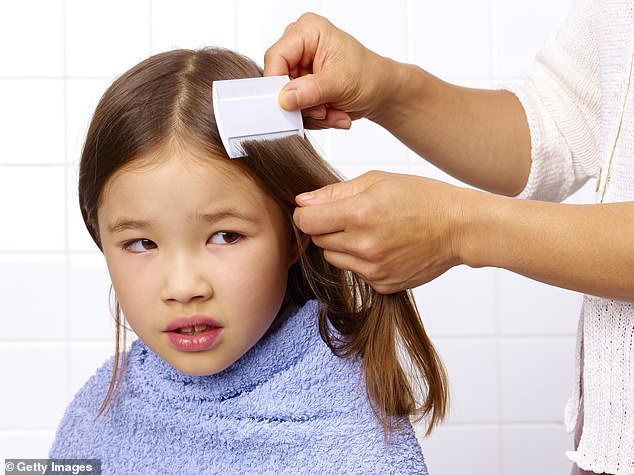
(191, 321)
(195, 342)
(193, 333)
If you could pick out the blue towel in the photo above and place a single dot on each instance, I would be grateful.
(287, 406)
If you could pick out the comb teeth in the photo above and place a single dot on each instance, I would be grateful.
(248, 109)
(235, 144)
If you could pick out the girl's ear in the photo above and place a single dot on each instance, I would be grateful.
(298, 245)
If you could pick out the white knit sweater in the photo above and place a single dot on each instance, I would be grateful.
(579, 101)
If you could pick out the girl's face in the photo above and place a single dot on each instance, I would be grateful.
(198, 255)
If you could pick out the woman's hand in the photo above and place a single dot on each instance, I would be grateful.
(395, 231)
(336, 79)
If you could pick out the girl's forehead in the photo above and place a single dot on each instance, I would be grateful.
(193, 158)
(185, 172)
(187, 154)
(182, 191)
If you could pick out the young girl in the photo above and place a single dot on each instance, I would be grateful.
(254, 355)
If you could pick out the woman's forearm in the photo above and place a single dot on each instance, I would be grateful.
(586, 248)
(479, 136)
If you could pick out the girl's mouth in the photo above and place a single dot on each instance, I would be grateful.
(193, 333)
(194, 330)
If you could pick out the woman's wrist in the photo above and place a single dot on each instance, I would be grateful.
(478, 227)
(397, 87)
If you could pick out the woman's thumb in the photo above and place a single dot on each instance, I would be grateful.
(303, 92)
(327, 194)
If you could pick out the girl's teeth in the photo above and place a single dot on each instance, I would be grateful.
(194, 329)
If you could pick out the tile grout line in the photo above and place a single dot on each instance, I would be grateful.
(67, 290)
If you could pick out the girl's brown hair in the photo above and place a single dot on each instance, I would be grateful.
(166, 100)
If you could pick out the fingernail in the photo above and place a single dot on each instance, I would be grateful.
(288, 99)
(305, 197)
(343, 124)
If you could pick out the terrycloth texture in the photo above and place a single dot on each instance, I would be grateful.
(579, 101)
(287, 406)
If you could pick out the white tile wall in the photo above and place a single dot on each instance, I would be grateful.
(33, 292)
(343, 147)
(208, 23)
(471, 364)
(536, 375)
(545, 310)
(507, 342)
(520, 30)
(33, 208)
(36, 396)
(373, 22)
(519, 456)
(30, 107)
(450, 44)
(32, 35)
(105, 38)
(477, 289)
(464, 449)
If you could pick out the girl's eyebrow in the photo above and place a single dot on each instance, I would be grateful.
(123, 224)
(225, 214)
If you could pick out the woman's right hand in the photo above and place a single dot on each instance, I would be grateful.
(335, 78)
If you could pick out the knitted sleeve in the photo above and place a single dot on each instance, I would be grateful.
(561, 98)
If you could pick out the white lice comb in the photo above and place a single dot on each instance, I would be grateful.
(248, 109)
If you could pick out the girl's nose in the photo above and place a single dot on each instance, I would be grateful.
(185, 282)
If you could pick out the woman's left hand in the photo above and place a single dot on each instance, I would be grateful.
(395, 231)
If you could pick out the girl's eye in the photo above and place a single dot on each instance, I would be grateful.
(140, 245)
(225, 237)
